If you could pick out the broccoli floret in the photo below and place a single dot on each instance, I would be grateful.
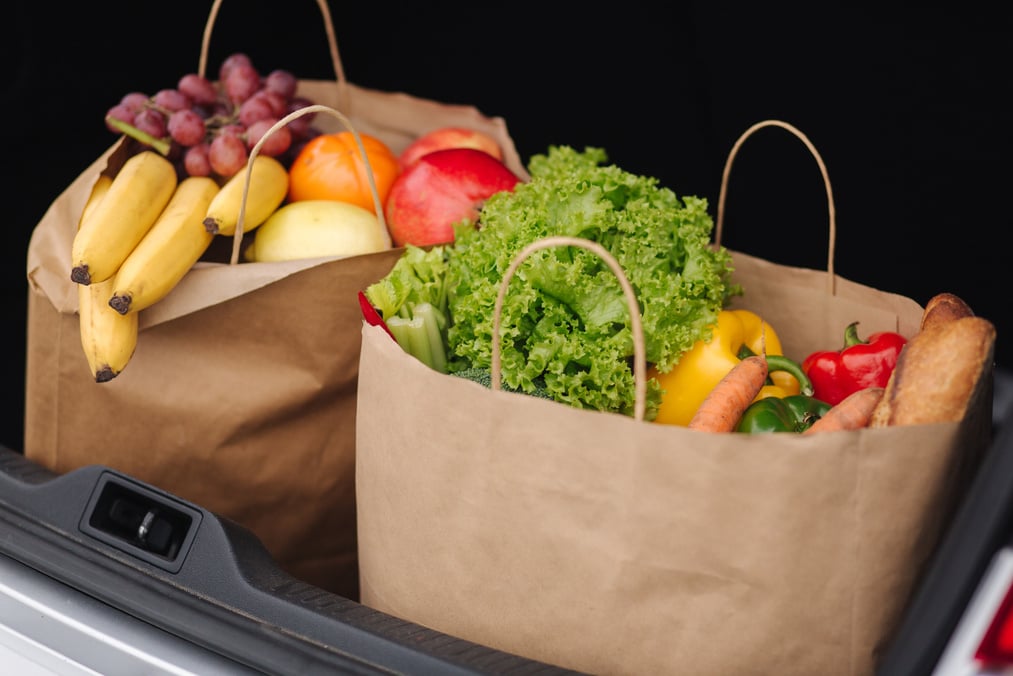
(483, 377)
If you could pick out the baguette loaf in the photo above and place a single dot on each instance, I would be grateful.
(941, 368)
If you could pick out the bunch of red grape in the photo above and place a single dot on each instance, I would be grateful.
(209, 128)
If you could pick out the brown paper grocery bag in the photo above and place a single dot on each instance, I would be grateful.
(241, 393)
(606, 544)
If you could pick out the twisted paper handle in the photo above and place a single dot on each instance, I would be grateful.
(719, 225)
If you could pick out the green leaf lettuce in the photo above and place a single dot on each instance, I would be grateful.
(565, 324)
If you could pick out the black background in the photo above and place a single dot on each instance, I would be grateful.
(907, 108)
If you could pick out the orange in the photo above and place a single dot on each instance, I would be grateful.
(330, 167)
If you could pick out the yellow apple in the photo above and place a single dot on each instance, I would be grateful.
(314, 228)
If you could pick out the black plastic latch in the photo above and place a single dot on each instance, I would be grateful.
(140, 521)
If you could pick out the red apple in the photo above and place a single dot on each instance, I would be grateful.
(439, 189)
(449, 137)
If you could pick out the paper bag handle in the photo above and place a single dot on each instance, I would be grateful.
(237, 238)
(719, 225)
(639, 360)
(332, 41)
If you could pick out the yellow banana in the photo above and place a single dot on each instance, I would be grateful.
(169, 249)
(108, 338)
(268, 188)
(98, 191)
(131, 205)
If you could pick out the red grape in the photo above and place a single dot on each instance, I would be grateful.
(297, 102)
(227, 155)
(121, 112)
(135, 101)
(282, 82)
(278, 103)
(151, 122)
(186, 127)
(196, 160)
(300, 126)
(231, 61)
(253, 109)
(200, 90)
(171, 100)
(241, 83)
(275, 144)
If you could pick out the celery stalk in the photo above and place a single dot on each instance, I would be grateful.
(418, 338)
(434, 337)
(421, 336)
(399, 327)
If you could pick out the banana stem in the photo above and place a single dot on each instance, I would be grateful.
(161, 145)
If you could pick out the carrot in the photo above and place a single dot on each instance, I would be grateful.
(724, 405)
(851, 413)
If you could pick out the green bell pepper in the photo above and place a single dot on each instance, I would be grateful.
(788, 413)
(794, 413)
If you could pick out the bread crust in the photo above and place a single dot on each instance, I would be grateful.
(942, 308)
(941, 368)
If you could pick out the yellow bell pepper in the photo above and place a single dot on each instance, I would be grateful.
(706, 363)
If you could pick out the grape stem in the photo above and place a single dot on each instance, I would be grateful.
(161, 145)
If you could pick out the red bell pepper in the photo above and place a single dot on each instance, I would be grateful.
(859, 364)
(371, 316)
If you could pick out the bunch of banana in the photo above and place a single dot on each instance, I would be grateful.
(268, 187)
(140, 233)
(135, 198)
